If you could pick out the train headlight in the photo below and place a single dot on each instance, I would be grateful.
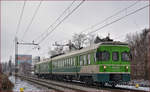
(104, 67)
(127, 67)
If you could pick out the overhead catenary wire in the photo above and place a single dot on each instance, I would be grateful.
(60, 22)
(110, 17)
(119, 19)
(56, 20)
(20, 18)
(33, 17)
(18, 26)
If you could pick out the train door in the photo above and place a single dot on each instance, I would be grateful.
(115, 59)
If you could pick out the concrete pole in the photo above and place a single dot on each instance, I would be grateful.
(16, 57)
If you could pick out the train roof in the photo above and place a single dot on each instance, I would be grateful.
(90, 48)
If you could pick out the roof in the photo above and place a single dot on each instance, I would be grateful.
(92, 47)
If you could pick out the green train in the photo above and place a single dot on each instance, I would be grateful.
(107, 62)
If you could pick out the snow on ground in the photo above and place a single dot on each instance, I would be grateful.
(23, 84)
(133, 87)
(142, 82)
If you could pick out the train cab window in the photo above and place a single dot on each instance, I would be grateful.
(115, 56)
(125, 56)
(104, 56)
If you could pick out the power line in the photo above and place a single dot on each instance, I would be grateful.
(60, 22)
(30, 23)
(18, 25)
(119, 19)
(111, 16)
(54, 22)
(56, 19)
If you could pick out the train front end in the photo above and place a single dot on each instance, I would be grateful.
(114, 64)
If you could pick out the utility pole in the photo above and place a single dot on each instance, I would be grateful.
(10, 65)
(16, 54)
(16, 58)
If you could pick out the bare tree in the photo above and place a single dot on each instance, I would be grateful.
(139, 44)
(79, 40)
(91, 39)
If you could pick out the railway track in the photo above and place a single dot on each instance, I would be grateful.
(73, 86)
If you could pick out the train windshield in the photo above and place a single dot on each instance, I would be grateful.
(103, 56)
(115, 56)
(125, 56)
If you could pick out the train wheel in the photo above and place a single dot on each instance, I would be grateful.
(113, 85)
(88, 81)
(102, 84)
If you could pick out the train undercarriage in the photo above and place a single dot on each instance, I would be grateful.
(113, 80)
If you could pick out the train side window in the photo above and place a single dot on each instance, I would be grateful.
(95, 57)
(56, 64)
(74, 59)
(62, 63)
(85, 61)
(115, 56)
(53, 64)
(81, 60)
(67, 62)
(71, 61)
(59, 64)
(89, 57)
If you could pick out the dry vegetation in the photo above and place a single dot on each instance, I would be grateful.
(140, 48)
(5, 83)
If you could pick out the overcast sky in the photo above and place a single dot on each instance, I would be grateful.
(89, 13)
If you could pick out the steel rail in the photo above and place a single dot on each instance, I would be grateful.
(73, 86)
